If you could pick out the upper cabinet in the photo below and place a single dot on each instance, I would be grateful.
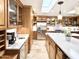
(12, 13)
(19, 11)
(70, 21)
(34, 20)
(2, 13)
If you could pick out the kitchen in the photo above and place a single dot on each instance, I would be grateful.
(39, 29)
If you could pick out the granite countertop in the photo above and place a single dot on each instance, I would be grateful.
(20, 40)
(73, 29)
(70, 48)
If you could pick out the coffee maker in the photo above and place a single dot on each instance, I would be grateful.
(11, 37)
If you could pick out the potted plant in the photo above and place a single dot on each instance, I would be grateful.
(68, 34)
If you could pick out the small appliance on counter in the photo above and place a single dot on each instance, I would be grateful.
(11, 38)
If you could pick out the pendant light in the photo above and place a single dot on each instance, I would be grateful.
(60, 16)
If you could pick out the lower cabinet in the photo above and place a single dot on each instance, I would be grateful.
(47, 44)
(34, 34)
(24, 51)
(60, 54)
(50, 48)
(54, 51)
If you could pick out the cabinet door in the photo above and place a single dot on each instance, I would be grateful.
(47, 44)
(52, 52)
(60, 54)
(2, 18)
(19, 12)
(26, 49)
(34, 35)
(22, 52)
(58, 57)
(12, 13)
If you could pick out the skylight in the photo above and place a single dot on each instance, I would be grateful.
(47, 5)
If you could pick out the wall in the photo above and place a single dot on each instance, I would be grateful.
(12, 30)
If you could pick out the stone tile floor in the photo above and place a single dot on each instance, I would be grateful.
(38, 50)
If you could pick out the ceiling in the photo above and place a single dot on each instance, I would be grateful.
(67, 7)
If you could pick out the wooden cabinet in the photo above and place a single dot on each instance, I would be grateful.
(2, 12)
(34, 35)
(2, 42)
(54, 51)
(34, 20)
(41, 18)
(19, 21)
(12, 13)
(47, 44)
(4, 54)
(26, 48)
(9, 14)
(78, 20)
(22, 52)
(3, 17)
(50, 48)
(60, 54)
(19, 12)
(70, 21)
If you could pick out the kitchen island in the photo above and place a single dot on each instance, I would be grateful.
(69, 49)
